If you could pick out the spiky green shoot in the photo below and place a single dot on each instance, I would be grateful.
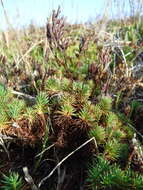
(15, 109)
(68, 99)
(82, 90)
(112, 149)
(105, 103)
(12, 182)
(41, 103)
(97, 113)
(53, 85)
(99, 133)
(30, 114)
(103, 175)
(67, 110)
(3, 119)
(86, 115)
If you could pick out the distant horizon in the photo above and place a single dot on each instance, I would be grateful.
(22, 13)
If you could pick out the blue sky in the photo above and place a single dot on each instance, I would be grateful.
(22, 12)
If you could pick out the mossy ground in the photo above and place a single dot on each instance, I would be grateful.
(64, 88)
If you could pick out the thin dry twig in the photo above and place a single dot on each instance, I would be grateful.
(32, 99)
(44, 150)
(4, 147)
(6, 16)
(28, 51)
(123, 55)
(65, 158)
(29, 179)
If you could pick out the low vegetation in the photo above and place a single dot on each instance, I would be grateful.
(71, 107)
